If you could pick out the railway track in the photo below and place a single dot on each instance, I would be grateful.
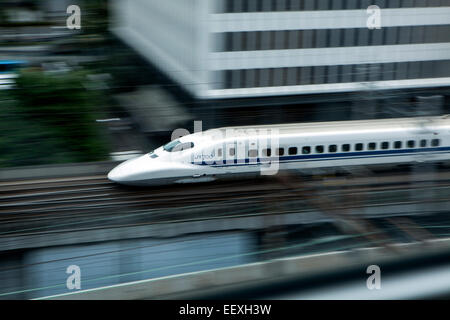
(52, 205)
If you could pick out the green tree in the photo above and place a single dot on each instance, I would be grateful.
(51, 119)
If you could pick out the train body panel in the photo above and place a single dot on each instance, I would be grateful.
(238, 152)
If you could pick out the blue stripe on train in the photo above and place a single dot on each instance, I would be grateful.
(332, 156)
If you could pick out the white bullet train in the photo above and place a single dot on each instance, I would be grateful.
(238, 152)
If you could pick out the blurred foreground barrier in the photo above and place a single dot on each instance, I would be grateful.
(55, 171)
(244, 277)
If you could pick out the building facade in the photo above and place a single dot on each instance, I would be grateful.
(257, 48)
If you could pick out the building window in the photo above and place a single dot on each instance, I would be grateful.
(235, 6)
(332, 38)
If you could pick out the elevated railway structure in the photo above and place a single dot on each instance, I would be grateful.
(52, 211)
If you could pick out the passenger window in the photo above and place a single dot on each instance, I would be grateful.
(267, 152)
(171, 145)
(319, 149)
(219, 152)
(423, 143)
(306, 150)
(332, 148)
(411, 144)
(280, 151)
(397, 144)
(293, 150)
(435, 142)
(385, 145)
(372, 146)
(252, 153)
(359, 147)
(346, 147)
(232, 152)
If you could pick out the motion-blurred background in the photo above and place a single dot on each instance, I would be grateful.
(77, 99)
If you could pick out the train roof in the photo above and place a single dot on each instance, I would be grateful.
(377, 124)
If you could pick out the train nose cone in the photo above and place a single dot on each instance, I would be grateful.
(122, 172)
(115, 175)
(129, 171)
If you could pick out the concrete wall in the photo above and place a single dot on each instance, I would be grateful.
(173, 35)
(189, 285)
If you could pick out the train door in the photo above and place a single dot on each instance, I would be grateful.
(230, 158)
(268, 155)
(241, 152)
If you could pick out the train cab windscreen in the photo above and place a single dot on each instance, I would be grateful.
(171, 145)
(176, 145)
